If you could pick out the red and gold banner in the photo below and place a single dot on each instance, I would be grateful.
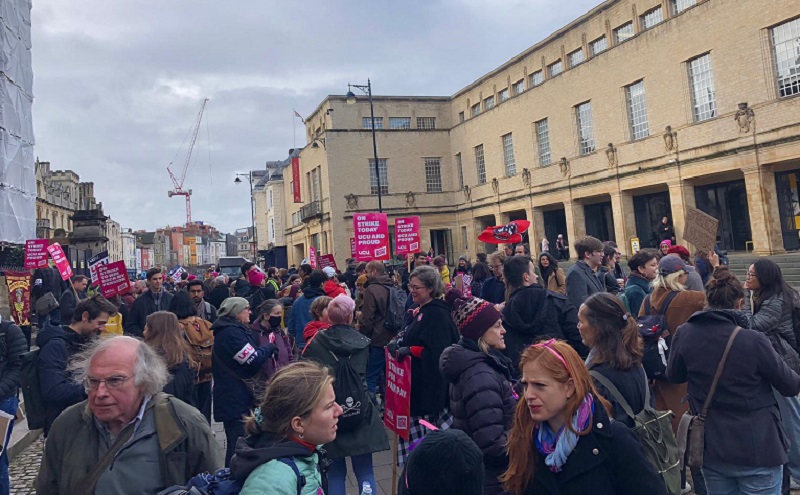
(296, 179)
(19, 296)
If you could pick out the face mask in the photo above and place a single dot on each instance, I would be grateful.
(255, 277)
(274, 321)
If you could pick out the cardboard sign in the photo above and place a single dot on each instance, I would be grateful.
(398, 395)
(60, 259)
(113, 278)
(296, 179)
(312, 257)
(19, 296)
(352, 247)
(372, 236)
(36, 253)
(701, 229)
(98, 259)
(175, 273)
(327, 260)
(406, 231)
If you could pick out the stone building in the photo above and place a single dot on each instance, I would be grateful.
(57, 199)
(632, 112)
(269, 212)
(114, 234)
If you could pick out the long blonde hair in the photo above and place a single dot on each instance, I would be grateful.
(670, 282)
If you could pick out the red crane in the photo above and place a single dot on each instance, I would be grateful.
(179, 190)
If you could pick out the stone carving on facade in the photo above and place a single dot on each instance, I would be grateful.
(467, 193)
(670, 139)
(526, 177)
(352, 201)
(744, 117)
(563, 165)
(411, 199)
(495, 185)
(611, 154)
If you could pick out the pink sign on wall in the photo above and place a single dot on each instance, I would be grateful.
(312, 257)
(36, 253)
(398, 395)
(113, 278)
(406, 231)
(372, 236)
(60, 259)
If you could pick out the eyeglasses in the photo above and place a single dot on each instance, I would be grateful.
(111, 382)
(751, 275)
(416, 287)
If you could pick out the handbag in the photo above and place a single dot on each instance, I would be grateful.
(692, 429)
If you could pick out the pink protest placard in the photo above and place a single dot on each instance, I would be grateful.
(352, 247)
(312, 257)
(113, 278)
(398, 395)
(60, 259)
(406, 231)
(372, 236)
(327, 260)
(36, 253)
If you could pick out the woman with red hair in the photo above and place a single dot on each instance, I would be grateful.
(563, 441)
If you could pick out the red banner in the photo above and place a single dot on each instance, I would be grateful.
(406, 231)
(60, 259)
(327, 260)
(398, 395)
(352, 247)
(372, 236)
(312, 257)
(36, 253)
(296, 179)
(113, 278)
(19, 296)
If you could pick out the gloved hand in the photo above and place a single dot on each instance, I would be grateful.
(402, 353)
(271, 350)
(392, 346)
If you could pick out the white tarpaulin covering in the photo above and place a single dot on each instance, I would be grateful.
(17, 173)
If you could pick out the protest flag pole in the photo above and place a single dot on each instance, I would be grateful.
(394, 464)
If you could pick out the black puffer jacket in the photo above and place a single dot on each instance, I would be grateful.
(12, 346)
(482, 403)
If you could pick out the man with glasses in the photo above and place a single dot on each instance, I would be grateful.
(203, 308)
(127, 436)
(581, 279)
(494, 288)
(57, 346)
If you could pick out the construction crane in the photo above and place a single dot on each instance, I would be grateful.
(179, 190)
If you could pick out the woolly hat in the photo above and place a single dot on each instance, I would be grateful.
(670, 264)
(232, 306)
(679, 250)
(472, 316)
(361, 280)
(665, 241)
(445, 461)
(329, 271)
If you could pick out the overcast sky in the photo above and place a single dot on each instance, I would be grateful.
(119, 83)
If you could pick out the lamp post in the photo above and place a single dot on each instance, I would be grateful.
(237, 180)
(351, 98)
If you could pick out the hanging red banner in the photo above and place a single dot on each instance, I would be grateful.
(398, 395)
(372, 236)
(296, 179)
(19, 296)
(312, 257)
(36, 253)
(406, 231)
(352, 247)
(60, 259)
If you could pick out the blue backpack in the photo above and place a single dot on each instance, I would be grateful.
(221, 483)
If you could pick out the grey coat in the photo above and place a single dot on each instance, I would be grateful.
(582, 283)
(774, 319)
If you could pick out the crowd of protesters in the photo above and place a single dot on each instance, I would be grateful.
(526, 377)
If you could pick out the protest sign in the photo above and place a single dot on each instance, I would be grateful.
(175, 273)
(19, 296)
(36, 253)
(406, 231)
(372, 236)
(327, 260)
(352, 247)
(95, 261)
(60, 259)
(701, 229)
(398, 395)
(113, 278)
(312, 257)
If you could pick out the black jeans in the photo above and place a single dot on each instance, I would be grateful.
(202, 399)
(233, 430)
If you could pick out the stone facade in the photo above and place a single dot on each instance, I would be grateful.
(610, 123)
(114, 234)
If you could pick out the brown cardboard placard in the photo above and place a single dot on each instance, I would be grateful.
(700, 229)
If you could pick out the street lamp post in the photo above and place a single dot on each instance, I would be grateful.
(237, 180)
(351, 98)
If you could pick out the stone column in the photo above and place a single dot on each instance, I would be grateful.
(762, 202)
(576, 220)
(624, 220)
(681, 196)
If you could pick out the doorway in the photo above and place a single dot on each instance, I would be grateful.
(442, 243)
(555, 223)
(649, 210)
(600, 221)
(727, 202)
(789, 207)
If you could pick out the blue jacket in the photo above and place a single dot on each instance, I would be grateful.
(493, 290)
(236, 357)
(57, 346)
(636, 289)
(301, 314)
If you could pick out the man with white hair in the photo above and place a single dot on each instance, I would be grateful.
(152, 439)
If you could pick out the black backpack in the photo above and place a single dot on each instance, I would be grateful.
(350, 395)
(395, 319)
(656, 336)
(32, 391)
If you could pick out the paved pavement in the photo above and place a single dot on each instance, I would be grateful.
(25, 466)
